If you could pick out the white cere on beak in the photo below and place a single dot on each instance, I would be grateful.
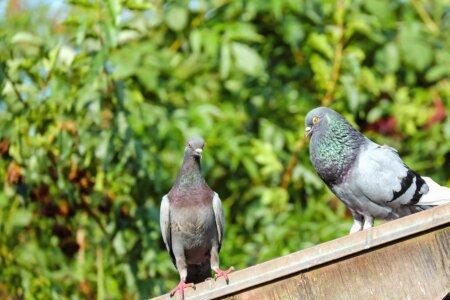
(198, 150)
(308, 129)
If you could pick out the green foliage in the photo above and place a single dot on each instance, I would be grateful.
(95, 109)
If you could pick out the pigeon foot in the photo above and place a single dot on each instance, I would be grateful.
(357, 226)
(180, 288)
(224, 274)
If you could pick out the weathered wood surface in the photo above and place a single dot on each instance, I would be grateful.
(407, 258)
(417, 268)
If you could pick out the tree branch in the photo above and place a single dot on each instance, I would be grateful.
(423, 14)
(13, 84)
(329, 94)
(337, 61)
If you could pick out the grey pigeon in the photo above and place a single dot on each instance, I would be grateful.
(371, 180)
(192, 222)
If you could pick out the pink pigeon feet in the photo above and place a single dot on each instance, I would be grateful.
(180, 288)
(224, 274)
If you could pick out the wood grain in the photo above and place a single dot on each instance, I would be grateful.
(406, 258)
(416, 268)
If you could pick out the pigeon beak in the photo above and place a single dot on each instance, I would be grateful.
(198, 151)
(308, 131)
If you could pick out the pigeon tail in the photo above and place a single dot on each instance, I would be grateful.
(437, 194)
(199, 273)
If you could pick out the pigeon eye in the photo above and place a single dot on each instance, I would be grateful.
(315, 120)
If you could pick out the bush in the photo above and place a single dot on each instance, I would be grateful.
(98, 98)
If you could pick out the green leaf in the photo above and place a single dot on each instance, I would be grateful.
(21, 218)
(195, 40)
(26, 38)
(321, 69)
(437, 72)
(247, 59)
(320, 43)
(416, 51)
(293, 32)
(243, 32)
(95, 109)
(3, 200)
(138, 4)
(177, 18)
(225, 60)
(114, 9)
(388, 58)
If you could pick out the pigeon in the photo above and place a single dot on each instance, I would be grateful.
(371, 180)
(192, 222)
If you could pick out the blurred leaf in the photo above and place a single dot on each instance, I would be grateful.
(21, 218)
(320, 43)
(25, 38)
(225, 60)
(388, 59)
(176, 18)
(97, 99)
(247, 59)
(416, 52)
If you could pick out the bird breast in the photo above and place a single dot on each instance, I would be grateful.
(196, 226)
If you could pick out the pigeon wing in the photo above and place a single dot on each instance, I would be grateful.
(219, 217)
(164, 222)
(385, 179)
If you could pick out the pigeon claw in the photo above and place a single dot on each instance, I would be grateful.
(224, 274)
(180, 288)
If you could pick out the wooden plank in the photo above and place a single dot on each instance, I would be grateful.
(416, 268)
(359, 244)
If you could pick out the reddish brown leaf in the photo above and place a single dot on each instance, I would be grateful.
(14, 173)
(107, 116)
(106, 205)
(85, 183)
(14, 7)
(124, 212)
(81, 178)
(4, 292)
(81, 239)
(439, 115)
(85, 201)
(4, 147)
(64, 208)
(41, 194)
(49, 210)
(53, 173)
(384, 126)
(69, 246)
(73, 173)
(334, 203)
(86, 289)
(61, 231)
(69, 126)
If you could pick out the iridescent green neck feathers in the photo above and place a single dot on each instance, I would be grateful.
(334, 147)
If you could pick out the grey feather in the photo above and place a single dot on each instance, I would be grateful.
(372, 180)
(379, 172)
(219, 217)
(164, 222)
(191, 219)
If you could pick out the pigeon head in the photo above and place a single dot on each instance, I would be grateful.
(190, 173)
(334, 143)
(194, 146)
(318, 118)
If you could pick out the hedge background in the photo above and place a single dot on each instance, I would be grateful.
(97, 98)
